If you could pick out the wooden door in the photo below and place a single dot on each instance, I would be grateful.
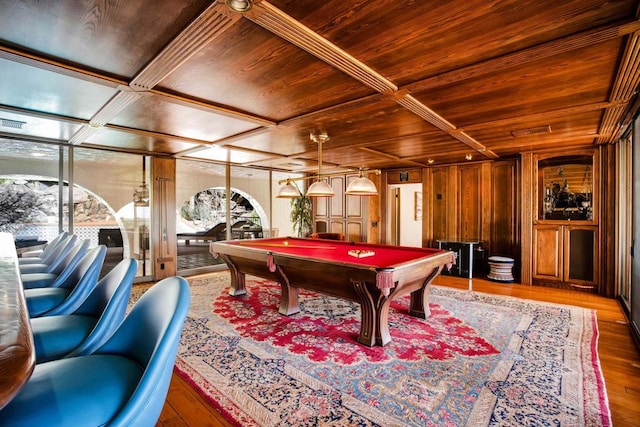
(548, 252)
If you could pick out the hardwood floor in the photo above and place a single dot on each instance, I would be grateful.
(619, 356)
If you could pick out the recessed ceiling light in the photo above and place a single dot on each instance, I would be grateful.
(239, 5)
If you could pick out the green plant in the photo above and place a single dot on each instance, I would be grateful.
(301, 218)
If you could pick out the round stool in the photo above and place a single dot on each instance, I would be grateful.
(500, 269)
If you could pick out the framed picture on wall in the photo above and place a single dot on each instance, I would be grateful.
(418, 206)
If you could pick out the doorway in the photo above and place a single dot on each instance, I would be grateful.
(405, 215)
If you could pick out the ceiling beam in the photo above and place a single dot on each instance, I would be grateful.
(211, 23)
(284, 26)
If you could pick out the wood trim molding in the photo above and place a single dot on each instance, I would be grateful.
(625, 86)
(279, 23)
(282, 25)
(215, 20)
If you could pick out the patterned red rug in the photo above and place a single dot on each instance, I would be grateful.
(478, 360)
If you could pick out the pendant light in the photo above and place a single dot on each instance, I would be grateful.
(361, 186)
(288, 191)
(320, 188)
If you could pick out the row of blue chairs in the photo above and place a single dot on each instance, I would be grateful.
(95, 364)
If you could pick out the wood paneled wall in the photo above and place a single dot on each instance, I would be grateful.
(341, 213)
(473, 201)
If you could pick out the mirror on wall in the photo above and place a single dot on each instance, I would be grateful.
(565, 186)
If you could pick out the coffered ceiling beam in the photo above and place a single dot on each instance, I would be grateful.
(210, 108)
(111, 109)
(284, 26)
(211, 23)
(42, 115)
(58, 67)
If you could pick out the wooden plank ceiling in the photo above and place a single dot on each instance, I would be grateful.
(394, 84)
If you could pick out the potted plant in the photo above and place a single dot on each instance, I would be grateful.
(301, 218)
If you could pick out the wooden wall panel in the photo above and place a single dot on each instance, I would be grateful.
(337, 226)
(469, 208)
(321, 206)
(163, 230)
(440, 196)
(337, 201)
(354, 203)
(354, 231)
(345, 214)
(504, 213)
(526, 218)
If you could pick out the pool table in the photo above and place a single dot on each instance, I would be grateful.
(325, 266)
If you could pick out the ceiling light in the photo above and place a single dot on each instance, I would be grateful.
(468, 157)
(288, 191)
(430, 161)
(319, 188)
(239, 5)
(361, 186)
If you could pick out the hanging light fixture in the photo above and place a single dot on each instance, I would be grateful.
(141, 194)
(288, 191)
(361, 186)
(320, 188)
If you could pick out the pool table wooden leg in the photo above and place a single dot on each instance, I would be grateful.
(237, 286)
(419, 305)
(374, 316)
(289, 295)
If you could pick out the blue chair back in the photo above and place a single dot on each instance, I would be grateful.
(56, 252)
(52, 244)
(108, 301)
(81, 281)
(150, 335)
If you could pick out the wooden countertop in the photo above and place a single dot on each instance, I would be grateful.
(17, 353)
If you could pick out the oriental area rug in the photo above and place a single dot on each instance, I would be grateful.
(478, 360)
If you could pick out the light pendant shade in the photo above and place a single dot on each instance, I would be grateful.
(361, 186)
(319, 189)
(288, 191)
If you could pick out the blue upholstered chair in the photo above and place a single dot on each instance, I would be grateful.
(59, 264)
(38, 255)
(123, 383)
(66, 265)
(84, 330)
(57, 251)
(70, 294)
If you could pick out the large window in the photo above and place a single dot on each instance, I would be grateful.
(99, 205)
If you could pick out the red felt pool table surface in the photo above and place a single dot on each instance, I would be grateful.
(385, 256)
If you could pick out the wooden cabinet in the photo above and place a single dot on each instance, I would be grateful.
(565, 230)
(566, 253)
